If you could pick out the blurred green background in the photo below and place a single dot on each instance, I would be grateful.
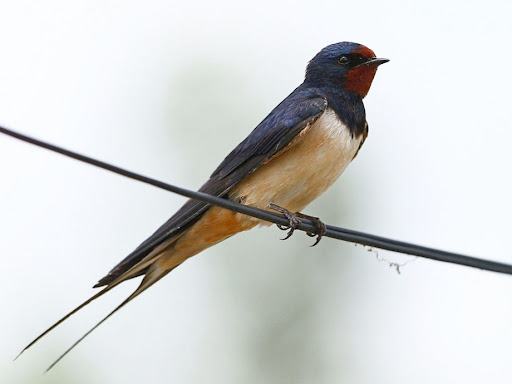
(168, 89)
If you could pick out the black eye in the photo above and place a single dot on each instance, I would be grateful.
(343, 60)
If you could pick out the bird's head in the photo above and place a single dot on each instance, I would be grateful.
(348, 65)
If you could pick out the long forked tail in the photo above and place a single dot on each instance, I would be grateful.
(127, 275)
(152, 276)
(60, 321)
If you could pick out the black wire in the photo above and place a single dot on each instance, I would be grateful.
(306, 225)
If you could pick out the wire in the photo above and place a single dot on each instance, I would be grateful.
(306, 225)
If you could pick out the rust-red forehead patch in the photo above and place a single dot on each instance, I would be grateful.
(364, 51)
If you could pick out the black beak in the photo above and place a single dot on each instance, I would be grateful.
(375, 62)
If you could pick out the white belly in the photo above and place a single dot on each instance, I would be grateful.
(303, 171)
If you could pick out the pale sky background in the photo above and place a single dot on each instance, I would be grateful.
(167, 89)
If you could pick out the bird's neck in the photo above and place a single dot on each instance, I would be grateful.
(347, 105)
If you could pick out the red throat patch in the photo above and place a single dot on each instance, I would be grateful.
(360, 79)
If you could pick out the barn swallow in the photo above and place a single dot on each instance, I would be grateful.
(287, 161)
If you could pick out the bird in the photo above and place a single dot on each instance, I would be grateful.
(287, 161)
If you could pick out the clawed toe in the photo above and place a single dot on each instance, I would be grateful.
(319, 224)
(294, 223)
(293, 220)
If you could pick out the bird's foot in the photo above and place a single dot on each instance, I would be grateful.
(294, 223)
(321, 229)
(293, 220)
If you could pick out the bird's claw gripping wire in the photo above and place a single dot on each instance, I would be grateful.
(321, 229)
(294, 223)
(293, 220)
